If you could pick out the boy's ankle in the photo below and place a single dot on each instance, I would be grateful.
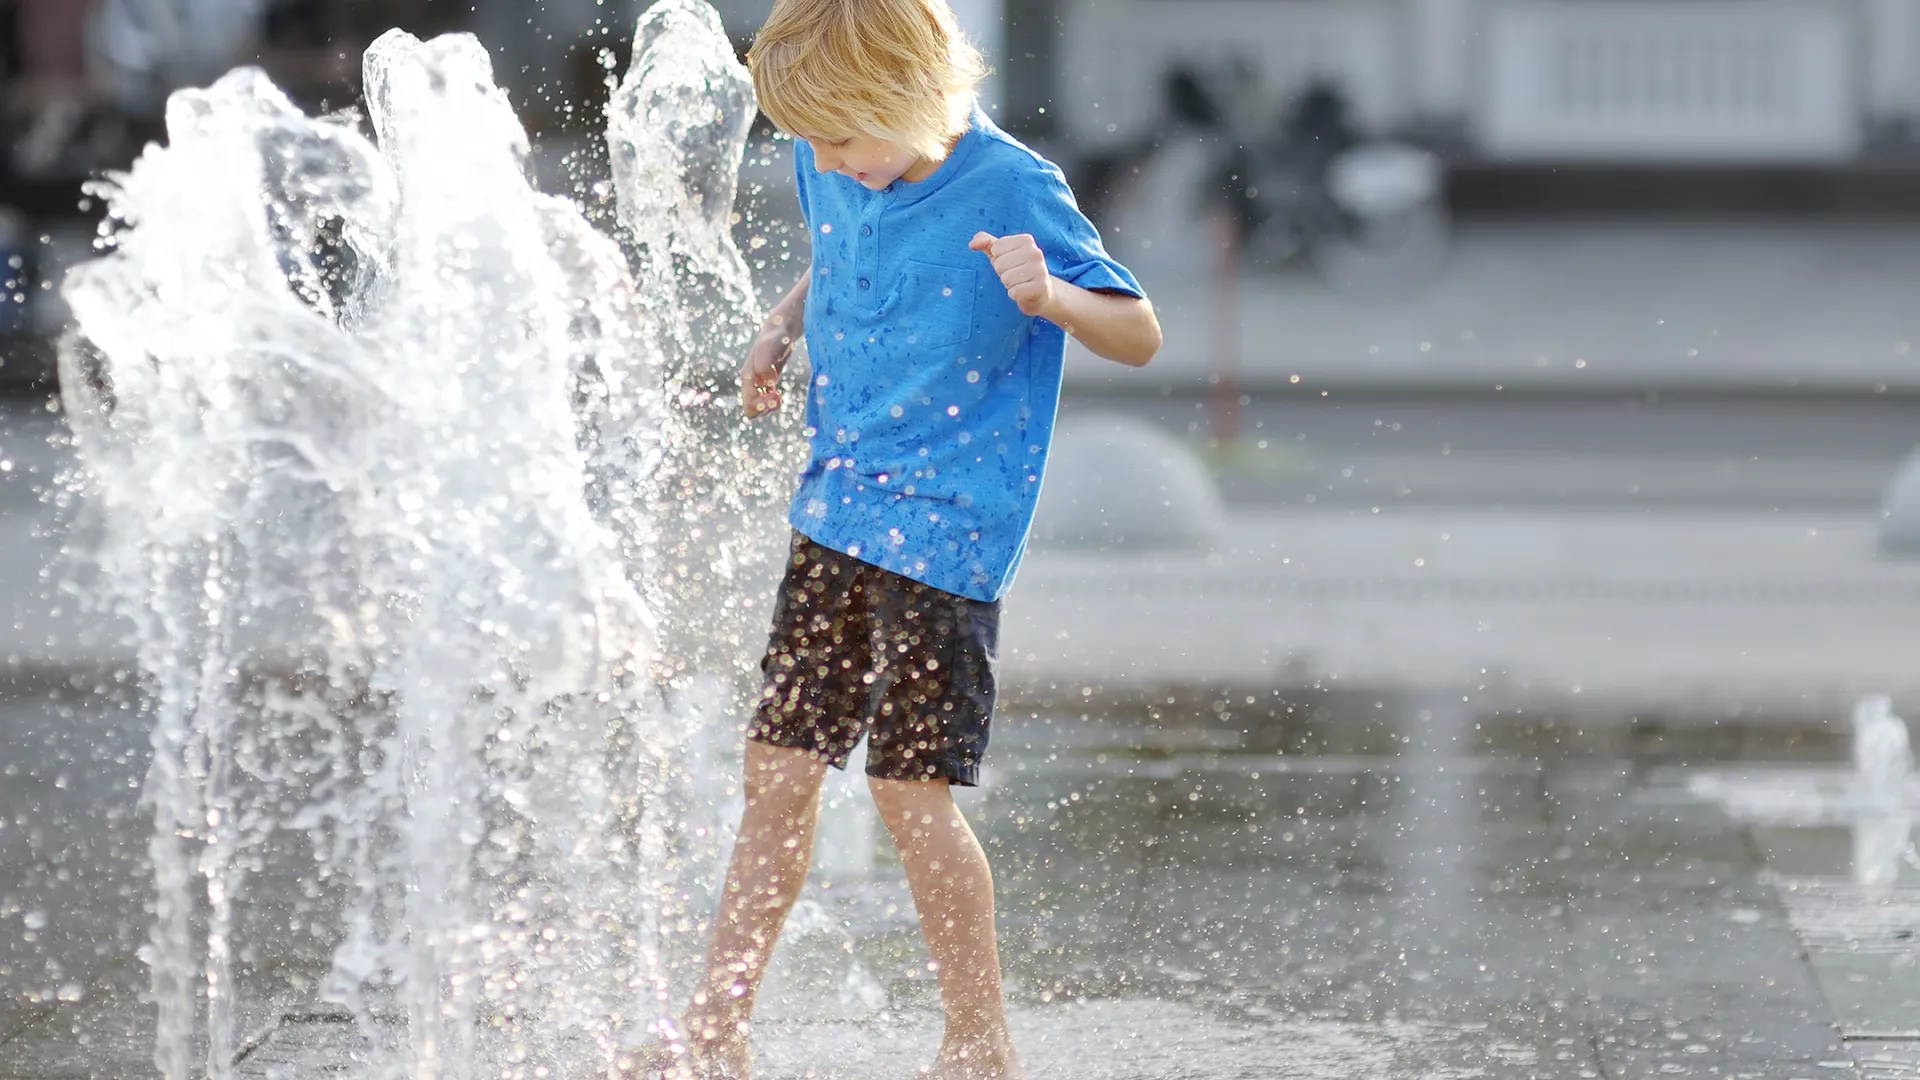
(979, 1057)
(695, 1047)
(705, 1032)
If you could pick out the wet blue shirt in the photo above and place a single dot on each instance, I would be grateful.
(933, 397)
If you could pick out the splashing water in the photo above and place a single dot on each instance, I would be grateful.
(677, 129)
(380, 439)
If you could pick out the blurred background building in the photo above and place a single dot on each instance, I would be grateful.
(1537, 80)
(1781, 108)
(1676, 83)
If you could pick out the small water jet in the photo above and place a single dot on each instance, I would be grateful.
(1882, 756)
(1872, 796)
(1882, 768)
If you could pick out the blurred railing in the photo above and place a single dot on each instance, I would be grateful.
(1615, 81)
(1691, 81)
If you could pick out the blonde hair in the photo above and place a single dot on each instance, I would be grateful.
(898, 70)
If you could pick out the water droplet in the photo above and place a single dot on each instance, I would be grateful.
(35, 920)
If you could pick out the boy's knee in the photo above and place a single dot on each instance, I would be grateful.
(776, 773)
(903, 796)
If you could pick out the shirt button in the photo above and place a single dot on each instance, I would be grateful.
(866, 230)
(865, 284)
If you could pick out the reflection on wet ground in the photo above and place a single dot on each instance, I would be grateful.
(1178, 900)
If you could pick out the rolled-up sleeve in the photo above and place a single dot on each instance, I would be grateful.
(1071, 244)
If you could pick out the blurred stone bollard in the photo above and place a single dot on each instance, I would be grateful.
(1900, 511)
(1116, 483)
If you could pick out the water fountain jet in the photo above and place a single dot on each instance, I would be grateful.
(379, 439)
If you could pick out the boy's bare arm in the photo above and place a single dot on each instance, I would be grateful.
(1115, 326)
(767, 356)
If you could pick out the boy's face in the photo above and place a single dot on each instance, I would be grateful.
(872, 161)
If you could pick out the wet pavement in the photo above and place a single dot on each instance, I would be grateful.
(1178, 900)
(1522, 876)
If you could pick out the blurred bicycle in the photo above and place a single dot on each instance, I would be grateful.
(1293, 184)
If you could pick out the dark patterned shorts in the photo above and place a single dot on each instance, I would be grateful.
(860, 650)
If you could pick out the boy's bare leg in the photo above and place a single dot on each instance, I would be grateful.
(953, 893)
(764, 877)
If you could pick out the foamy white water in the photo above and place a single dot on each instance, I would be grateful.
(379, 438)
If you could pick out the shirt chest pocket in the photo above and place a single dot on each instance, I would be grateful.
(935, 305)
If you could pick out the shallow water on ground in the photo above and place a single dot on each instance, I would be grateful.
(1168, 909)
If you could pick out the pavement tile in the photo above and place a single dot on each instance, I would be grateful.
(303, 1050)
(106, 1039)
(1887, 1059)
(1871, 993)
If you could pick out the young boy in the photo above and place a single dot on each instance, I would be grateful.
(949, 263)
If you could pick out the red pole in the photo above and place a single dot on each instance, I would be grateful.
(1225, 398)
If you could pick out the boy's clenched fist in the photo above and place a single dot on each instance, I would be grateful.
(1022, 267)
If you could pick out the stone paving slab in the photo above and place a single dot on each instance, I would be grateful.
(107, 1039)
(1873, 993)
(1333, 936)
(1253, 473)
(1861, 941)
(1692, 613)
(1863, 944)
(1884, 1059)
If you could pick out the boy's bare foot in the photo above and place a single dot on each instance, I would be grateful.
(694, 1051)
(989, 1060)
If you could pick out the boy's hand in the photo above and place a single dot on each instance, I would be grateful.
(1022, 267)
(760, 374)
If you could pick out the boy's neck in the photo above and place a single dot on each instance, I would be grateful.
(926, 166)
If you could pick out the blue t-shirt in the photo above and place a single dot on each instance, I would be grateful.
(933, 397)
